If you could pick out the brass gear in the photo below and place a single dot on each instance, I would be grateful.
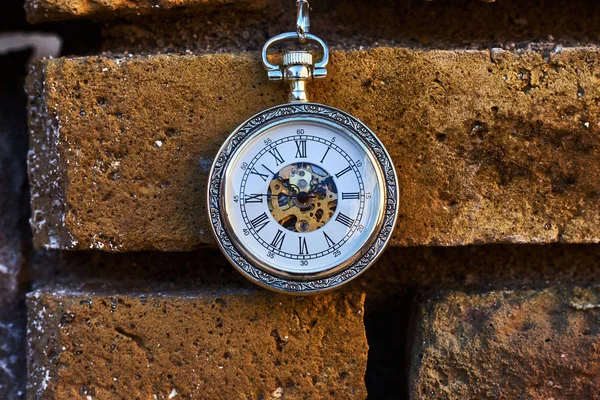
(302, 197)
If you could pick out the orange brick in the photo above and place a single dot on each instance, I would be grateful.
(490, 147)
(206, 343)
(56, 10)
(537, 344)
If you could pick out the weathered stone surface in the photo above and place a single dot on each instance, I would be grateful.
(536, 344)
(390, 284)
(209, 344)
(56, 10)
(354, 24)
(489, 146)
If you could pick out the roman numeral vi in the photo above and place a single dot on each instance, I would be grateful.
(303, 246)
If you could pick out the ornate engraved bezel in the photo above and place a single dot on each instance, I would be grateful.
(284, 282)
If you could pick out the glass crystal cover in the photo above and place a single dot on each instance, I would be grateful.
(302, 197)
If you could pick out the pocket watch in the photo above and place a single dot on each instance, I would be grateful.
(302, 197)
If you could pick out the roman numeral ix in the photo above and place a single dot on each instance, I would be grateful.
(253, 198)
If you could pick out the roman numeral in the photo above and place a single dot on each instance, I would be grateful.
(253, 198)
(260, 222)
(303, 246)
(344, 220)
(265, 167)
(350, 196)
(342, 172)
(263, 176)
(278, 239)
(330, 242)
(325, 155)
(278, 158)
(300, 148)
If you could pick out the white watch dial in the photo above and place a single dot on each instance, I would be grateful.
(302, 197)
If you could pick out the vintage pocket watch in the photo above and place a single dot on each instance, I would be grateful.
(302, 197)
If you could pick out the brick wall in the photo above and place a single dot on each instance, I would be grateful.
(115, 290)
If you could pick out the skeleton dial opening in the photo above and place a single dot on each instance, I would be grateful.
(302, 197)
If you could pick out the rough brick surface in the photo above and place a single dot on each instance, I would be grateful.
(389, 285)
(202, 344)
(55, 10)
(489, 146)
(536, 344)
(352, 24)
(393, 281)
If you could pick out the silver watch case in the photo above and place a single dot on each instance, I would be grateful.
(300, 284)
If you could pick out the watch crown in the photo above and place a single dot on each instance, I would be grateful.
(297, 58)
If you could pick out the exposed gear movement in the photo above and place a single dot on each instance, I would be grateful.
(302, 197)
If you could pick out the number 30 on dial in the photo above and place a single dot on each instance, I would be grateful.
(302, 198)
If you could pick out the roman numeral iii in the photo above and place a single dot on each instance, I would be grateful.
(350, 196)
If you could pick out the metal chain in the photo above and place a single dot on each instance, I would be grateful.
(302, 19)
